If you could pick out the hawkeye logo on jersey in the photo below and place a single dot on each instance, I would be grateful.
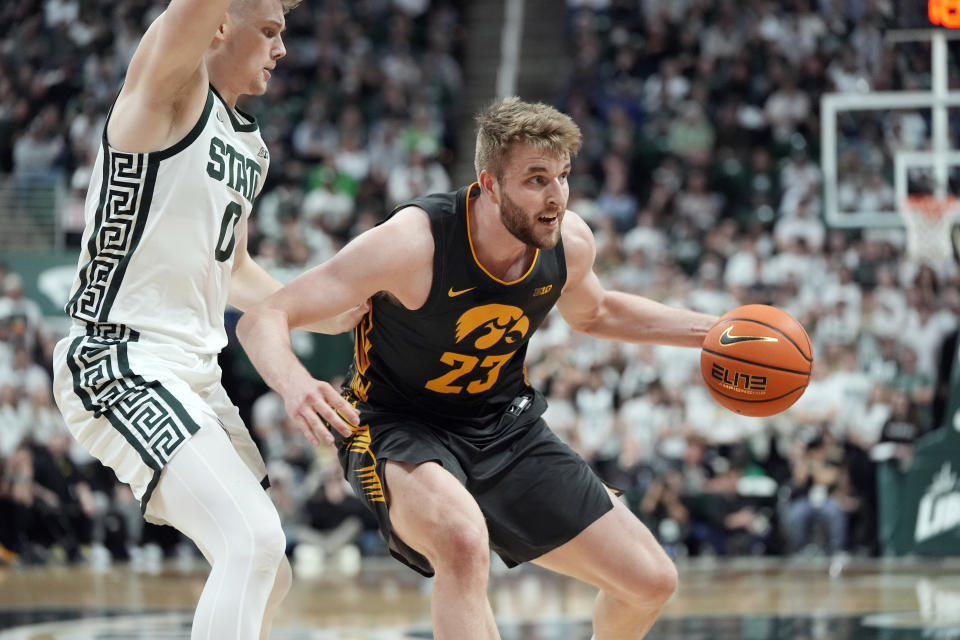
(481, 328)
(227, 164)
(492, 323)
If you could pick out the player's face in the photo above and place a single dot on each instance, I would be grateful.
(533, 195)
(257, 44)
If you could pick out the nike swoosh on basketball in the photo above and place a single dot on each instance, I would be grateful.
(454, 294)
(726, 338)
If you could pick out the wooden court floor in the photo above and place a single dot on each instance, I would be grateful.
(748, 599)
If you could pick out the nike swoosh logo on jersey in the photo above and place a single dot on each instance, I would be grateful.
(727, 339)
(454, 294)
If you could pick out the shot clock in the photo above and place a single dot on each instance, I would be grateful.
(928, 14)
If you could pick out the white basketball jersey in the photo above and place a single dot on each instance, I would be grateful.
(161, 227)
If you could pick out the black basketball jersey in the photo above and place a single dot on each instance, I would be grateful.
(458, 360)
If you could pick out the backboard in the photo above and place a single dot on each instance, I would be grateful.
(878, 148)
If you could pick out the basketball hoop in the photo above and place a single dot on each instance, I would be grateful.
(929, 220)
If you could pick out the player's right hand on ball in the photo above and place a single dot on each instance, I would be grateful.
(313, 405)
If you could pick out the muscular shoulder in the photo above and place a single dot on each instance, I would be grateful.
(407, 232)
(397, 256)
(579, 247)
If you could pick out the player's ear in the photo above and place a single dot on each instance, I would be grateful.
(489, 185)
(224, 28)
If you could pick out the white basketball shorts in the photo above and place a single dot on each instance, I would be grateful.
(133, 404)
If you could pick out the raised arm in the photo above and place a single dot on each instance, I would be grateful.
(615, 315)
(172, 49)
(166, 81)
(395, 257)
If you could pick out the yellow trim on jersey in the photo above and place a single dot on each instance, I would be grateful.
(536, 255)
(372, 486)
(362, 344)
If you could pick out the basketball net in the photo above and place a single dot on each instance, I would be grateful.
(931, 236)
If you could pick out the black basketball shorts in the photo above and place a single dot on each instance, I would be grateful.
(534, 491)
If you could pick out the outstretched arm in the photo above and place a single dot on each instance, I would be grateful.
(369, 264)
(251, 283)
(615, 315)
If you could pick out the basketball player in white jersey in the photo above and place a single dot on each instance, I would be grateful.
(163, 252)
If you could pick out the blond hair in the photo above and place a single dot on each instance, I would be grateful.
(237, 6)
(512, 120)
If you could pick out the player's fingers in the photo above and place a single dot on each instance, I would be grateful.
(345, 416)
(308, 434)
(321, 431)
(307, 431)
(333, 418)
(314, 429)
(343, 407)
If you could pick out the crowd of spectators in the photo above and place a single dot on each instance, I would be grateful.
(698, 176)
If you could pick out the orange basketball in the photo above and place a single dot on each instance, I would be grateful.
(756, 360)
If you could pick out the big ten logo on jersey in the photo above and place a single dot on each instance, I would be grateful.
(242, 174)
(737, 380)
(498, 329)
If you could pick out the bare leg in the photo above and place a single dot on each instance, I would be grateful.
(618, 554)
(433, 513)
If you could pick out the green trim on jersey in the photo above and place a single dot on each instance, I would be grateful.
(121, 217)
(140, 223)
(190, 137)
(145, 413)
(237, 124)
(126, 193)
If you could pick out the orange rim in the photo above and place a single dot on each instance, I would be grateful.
(932, 207)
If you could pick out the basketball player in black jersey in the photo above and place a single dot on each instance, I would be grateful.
(451, 452)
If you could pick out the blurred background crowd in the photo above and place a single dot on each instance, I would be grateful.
(698, 174)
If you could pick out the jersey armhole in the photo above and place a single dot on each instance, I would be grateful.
(562, 262)
(174, 149)
(194, 133)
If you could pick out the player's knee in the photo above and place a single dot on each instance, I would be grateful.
(263, 547)
(270, 543)
(665, 581)
(660, 583)
(464, 547)
(651, 586)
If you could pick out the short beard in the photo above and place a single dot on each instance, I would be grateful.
(518, 223)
